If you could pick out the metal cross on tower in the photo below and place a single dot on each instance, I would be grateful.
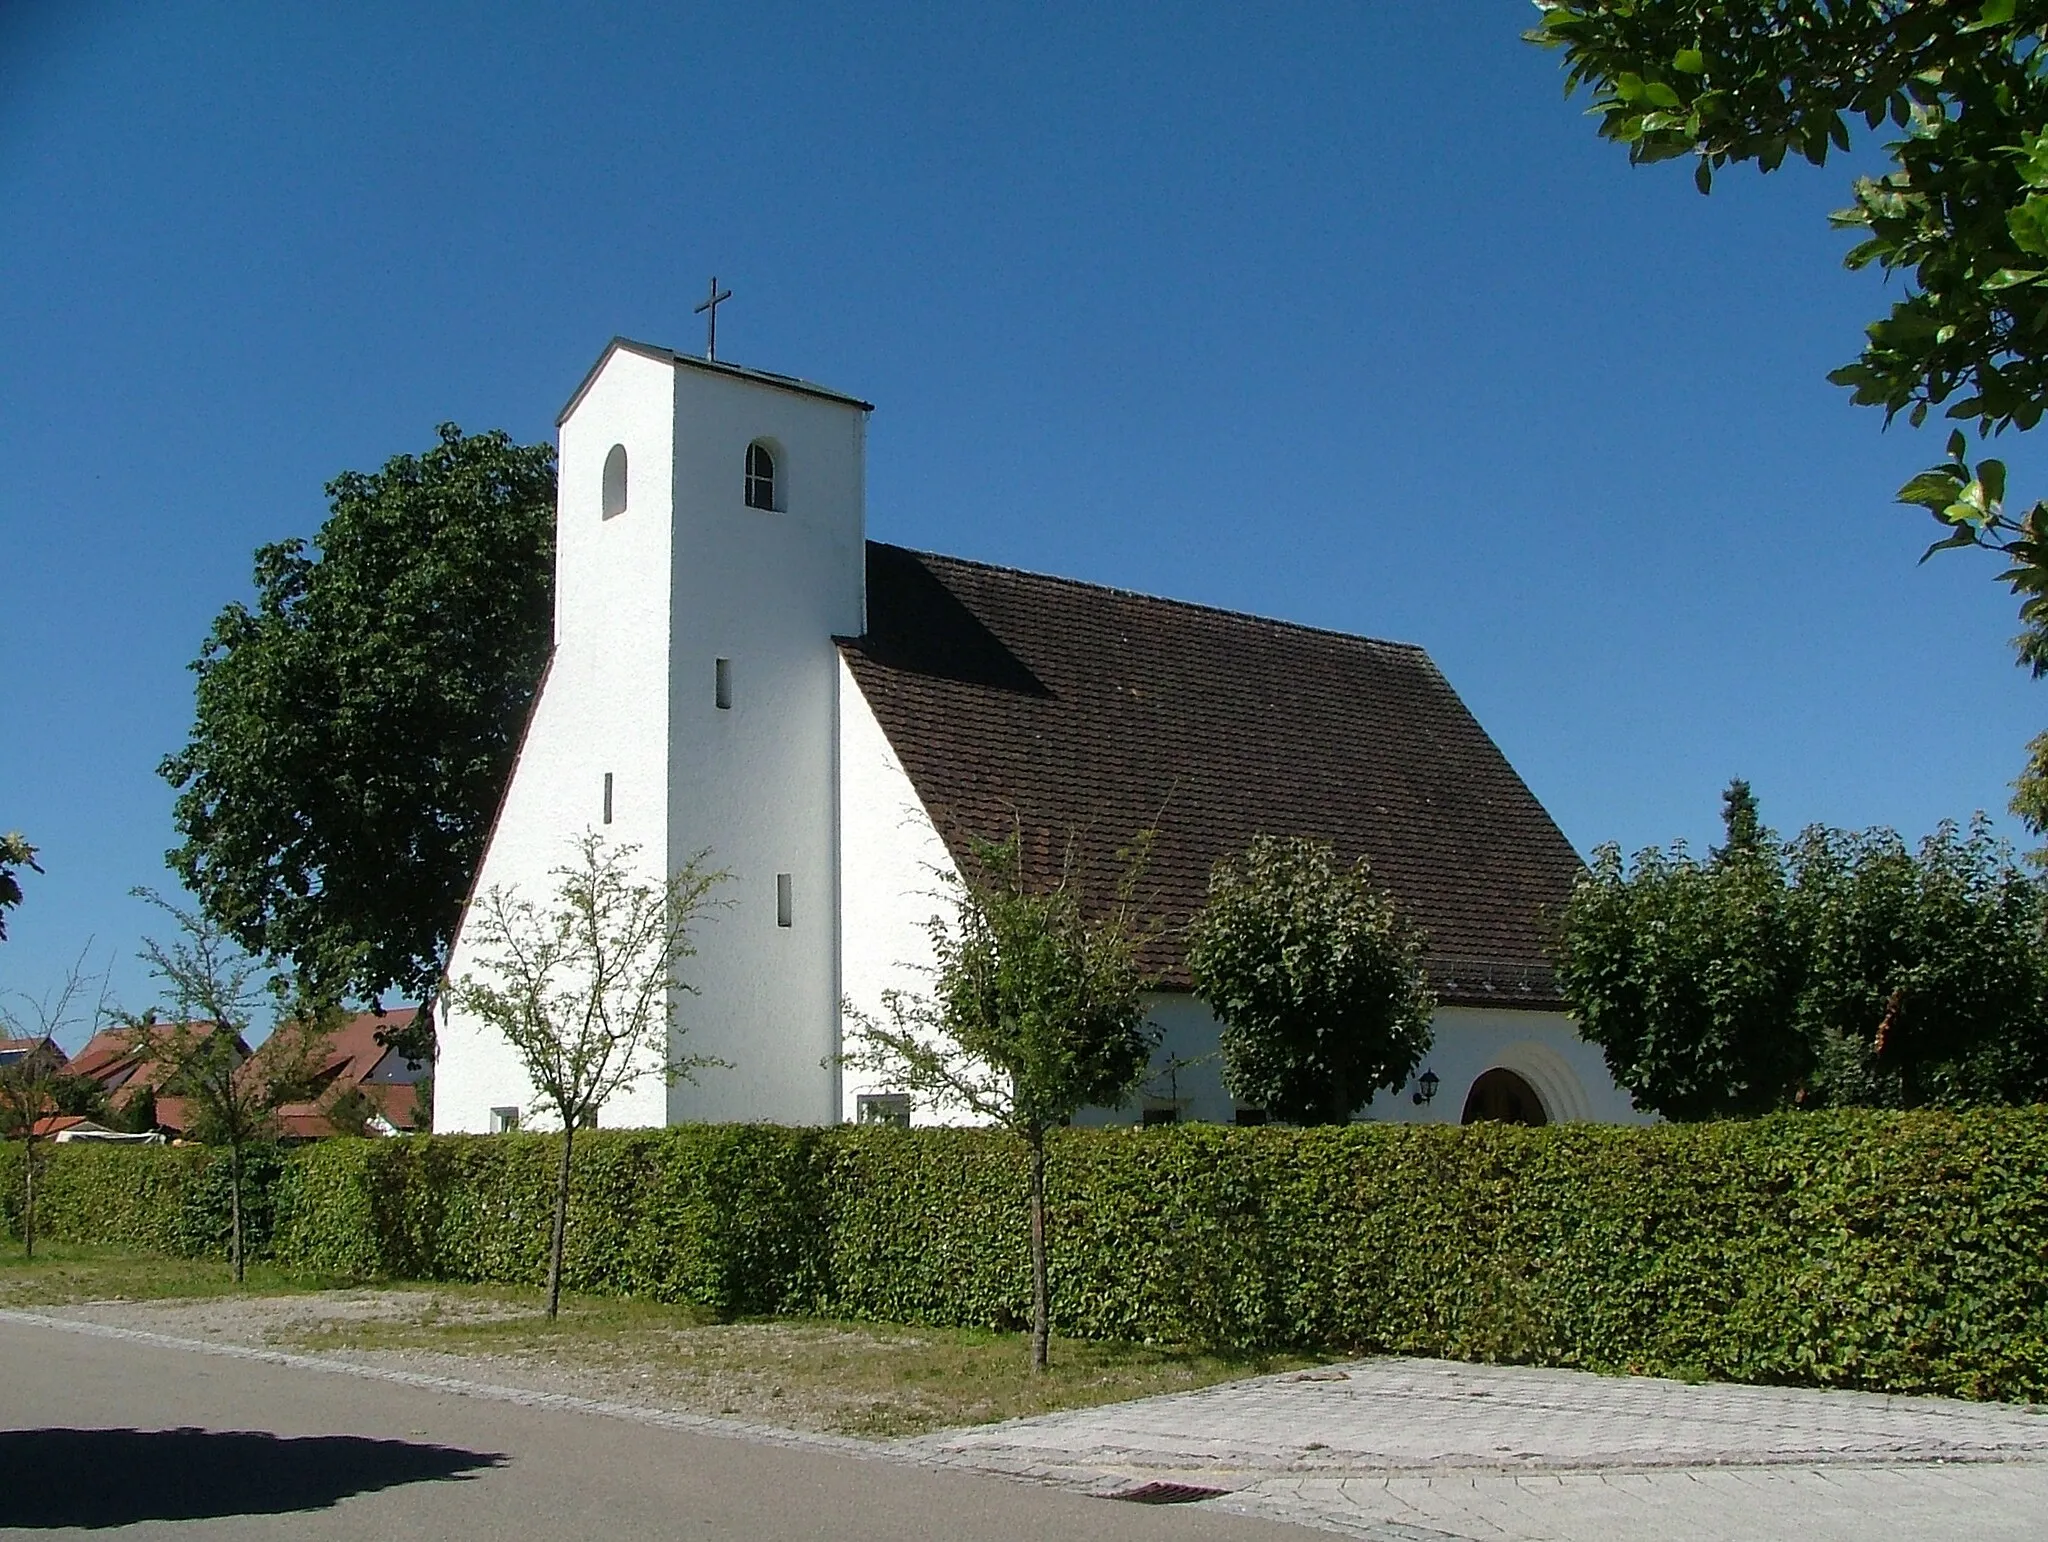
(710, 306)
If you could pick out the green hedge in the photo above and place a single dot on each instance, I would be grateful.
(726, 1216)
(1903, 1252)
(170, 1200)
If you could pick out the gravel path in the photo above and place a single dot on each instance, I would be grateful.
(720, 1371)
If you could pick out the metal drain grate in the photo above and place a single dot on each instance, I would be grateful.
(1167, 1494)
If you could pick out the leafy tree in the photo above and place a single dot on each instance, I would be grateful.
(36, 1086)
(1841, 968)
(1961, 214)
(1687, 973)
(1926, 978)
(586, 991)
(213, 991)
(15, 854)
(1036, 1012)
(355, 727)
(134, 1114)
(1316, 977)
(1742, 820)
(349, 1111)
(423, 1103)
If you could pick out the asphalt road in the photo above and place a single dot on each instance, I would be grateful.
(110, 1438)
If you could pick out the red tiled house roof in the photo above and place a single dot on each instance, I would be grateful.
(352, 1057)
(112, 1058)
(1088, 714)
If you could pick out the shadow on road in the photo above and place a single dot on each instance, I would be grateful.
(94, 1478)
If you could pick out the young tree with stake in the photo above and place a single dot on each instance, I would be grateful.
(213, 992)
(1036, 1012)
(35, 1086)
(586, 989)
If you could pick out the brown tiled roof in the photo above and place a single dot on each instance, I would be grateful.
(1087, 714)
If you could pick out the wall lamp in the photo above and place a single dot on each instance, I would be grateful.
(1425, 1088)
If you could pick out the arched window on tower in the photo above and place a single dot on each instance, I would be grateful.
(615, 481)
(760, 476)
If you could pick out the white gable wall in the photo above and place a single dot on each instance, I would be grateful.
(602, 708)
(1543, 1048)
(893, 871)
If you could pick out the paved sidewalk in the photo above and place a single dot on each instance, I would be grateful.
(1982, 1502)
(1418, 1451)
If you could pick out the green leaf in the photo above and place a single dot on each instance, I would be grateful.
(1991, 479)
(1689, 61)
(2028, 224)
(2034, 159)
(1931, 490)
(1962, 535)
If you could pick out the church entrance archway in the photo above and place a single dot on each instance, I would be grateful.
(1502, 1096)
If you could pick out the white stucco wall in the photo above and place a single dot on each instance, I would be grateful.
(892, 866)
(602, 708)
(1544, 1048)
(757, 783)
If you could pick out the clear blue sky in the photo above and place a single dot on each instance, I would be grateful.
(1337, 312)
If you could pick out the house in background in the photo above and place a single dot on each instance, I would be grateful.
(68, 1129)
(737, 669)
(351, 1059)
(120, 1063)
(15, 1051)
(354, 1060)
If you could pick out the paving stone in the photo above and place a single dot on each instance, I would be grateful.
(1416, 1415)
(1421, 1451)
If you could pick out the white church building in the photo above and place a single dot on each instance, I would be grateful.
(737, 669)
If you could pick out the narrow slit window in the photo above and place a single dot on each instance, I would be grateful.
(615, 481)
(783, 915)
(721, 684)
(607, 797)
(760, 476)
(504, 1120)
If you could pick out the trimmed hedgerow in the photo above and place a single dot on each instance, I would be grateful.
(1894, 1251)
(170, 1200)
(725, 1216)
